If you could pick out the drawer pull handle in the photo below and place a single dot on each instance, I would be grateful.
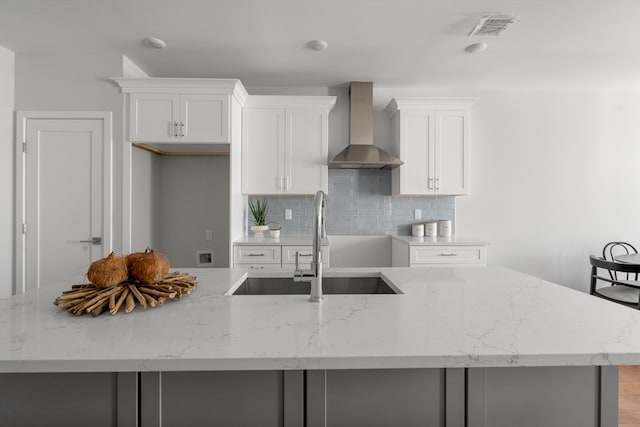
(255, 266)
(260, 254)
(306, 255)
(448, 254)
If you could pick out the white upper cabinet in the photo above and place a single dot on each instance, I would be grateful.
(431, 137)
(285, 144)
(194, 111)
(263, 150)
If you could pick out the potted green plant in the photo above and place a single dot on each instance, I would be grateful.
(259, 210)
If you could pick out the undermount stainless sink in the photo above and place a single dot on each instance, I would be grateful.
(330, 285)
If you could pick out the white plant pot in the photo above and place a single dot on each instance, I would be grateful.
(274, 233)
(258, 230)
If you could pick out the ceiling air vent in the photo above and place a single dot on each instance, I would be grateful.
(492, 25)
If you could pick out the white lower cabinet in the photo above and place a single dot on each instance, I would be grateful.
(408, 254)
(449, 255)
(257, 256)
(306, 254)
(278, 257)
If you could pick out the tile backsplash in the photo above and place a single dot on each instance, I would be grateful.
(359, 203)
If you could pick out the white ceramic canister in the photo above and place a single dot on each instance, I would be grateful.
(431, 228)
(417, 230)
(444, 227)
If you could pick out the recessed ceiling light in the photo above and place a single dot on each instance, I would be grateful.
(476, 47)
(155, 43)
(318, 45)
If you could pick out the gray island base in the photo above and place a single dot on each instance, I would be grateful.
(457, 347)
(453, 397)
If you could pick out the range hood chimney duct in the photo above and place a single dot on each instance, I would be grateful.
(361, 153)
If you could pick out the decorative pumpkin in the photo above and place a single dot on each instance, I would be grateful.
(149, 267)
(109, 271)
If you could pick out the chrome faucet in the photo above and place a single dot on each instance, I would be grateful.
(314, 274)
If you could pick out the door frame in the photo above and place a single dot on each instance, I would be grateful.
(22, 117)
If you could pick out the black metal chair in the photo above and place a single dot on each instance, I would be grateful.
(613, 249)
(622, 291)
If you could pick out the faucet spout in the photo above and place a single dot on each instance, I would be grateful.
(314, 275)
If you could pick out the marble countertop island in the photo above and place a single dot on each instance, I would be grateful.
(445, 317)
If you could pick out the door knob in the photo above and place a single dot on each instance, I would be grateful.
(93, 241)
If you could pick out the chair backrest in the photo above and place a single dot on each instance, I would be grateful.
(616, 267)
(612, 267)
(613, 249)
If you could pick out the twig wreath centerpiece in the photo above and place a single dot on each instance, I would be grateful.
(140, 277)
(259, 210)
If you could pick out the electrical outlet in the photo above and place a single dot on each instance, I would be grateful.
(208, 235)
(287, 214)
(417, 213)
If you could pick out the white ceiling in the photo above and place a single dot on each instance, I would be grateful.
(395, 43)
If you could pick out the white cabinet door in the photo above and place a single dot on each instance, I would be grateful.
(190, 118)
(204, 118)
(263, 150)
(154, 117)
(416, 151)
(452, 152)
(306, 149)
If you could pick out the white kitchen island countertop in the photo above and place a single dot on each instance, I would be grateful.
(446, 317)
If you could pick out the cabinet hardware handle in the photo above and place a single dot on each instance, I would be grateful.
(448, 254)
(306, 254)
(181, 128)
(286, 182)
(253, 266)
(430, 184)
(260, 254)
(437, 184)
(175, 129)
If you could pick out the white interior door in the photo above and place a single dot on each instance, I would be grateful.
(66, 191)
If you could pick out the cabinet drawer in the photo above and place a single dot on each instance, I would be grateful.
(289, 255)
(263, 266)
(448, 255)
(256, 255)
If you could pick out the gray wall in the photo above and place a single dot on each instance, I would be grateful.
(7, 183)
(193, 196)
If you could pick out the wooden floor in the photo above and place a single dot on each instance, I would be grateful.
(629, 399)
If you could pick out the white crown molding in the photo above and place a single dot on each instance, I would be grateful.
(415, 103)
(232, 87)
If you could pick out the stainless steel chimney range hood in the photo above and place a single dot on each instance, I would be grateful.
(361, 153)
